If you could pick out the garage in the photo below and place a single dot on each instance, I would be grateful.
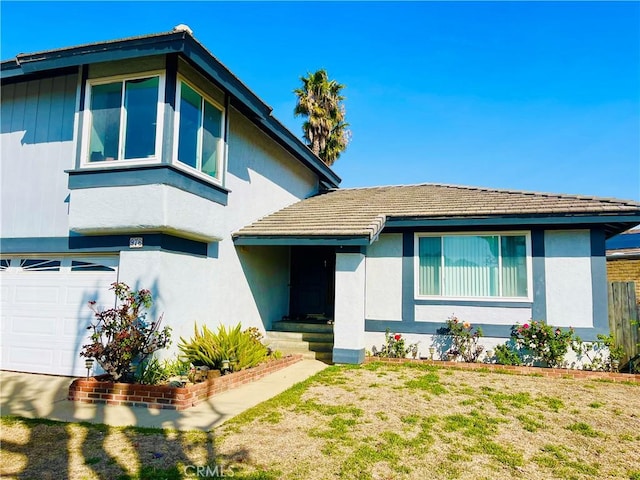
(45, 313)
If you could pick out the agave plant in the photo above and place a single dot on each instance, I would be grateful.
(241, 348)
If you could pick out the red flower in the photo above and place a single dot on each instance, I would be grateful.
(397, 337)
(526, 325)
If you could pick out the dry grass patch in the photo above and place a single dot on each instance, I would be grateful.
(376, 421)
(382, 421)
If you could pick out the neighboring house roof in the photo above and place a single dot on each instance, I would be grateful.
(175, 42)
(625, 245)
(360, 214)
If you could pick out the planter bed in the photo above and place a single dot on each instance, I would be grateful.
(95, 390)
(519, 370)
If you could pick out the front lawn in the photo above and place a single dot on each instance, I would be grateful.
(376, 421)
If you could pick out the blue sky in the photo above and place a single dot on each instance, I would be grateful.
(524, 95)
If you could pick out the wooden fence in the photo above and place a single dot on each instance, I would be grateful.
(624, 320)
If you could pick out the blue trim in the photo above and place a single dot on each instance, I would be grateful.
(347, 355)
(474, 303)
(129, 176)
(171, 81)
(489, 330)
(599, 282)
(598, 242)
(84, 76)
(408, 277)
(34, 245)
(561, 220)
(100, 243)
(431, 328)
(538, 267)
(275, 240)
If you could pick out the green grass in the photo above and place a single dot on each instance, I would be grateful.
(583, 429)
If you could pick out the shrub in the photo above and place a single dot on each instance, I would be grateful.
(122, 336)
(242, 348)
(464, 341)
(546, 343)
(154, 371)
(507, 355)
(395, 347)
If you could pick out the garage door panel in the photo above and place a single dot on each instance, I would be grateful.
(40, 326)
(72, 327)
(32, 356)
(40, 294)
(45, 316)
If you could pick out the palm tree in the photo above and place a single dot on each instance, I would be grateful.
(319, 99)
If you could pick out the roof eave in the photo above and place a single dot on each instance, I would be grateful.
(613, 223)
(310, 240)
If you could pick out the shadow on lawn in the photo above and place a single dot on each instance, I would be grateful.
(35, 448)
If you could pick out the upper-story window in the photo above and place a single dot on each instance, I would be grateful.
(199, 132)
(124, 119)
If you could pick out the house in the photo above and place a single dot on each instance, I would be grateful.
(146, 161)
(623, 258)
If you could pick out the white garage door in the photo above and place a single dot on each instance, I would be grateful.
(45, 313)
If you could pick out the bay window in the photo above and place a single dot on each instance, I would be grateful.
(478, 266)
(124, 119)
(199, 132)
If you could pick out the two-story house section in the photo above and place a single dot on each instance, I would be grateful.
(134, 160)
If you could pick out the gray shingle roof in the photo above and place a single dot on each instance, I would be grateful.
(358, 212)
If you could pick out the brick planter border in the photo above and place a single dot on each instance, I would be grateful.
(516, 370)
(94, 390)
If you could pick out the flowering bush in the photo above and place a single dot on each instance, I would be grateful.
(394, 347)
(545, 342)
(464, 341)
(121, 335)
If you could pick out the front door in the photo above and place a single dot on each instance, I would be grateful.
(312, 282)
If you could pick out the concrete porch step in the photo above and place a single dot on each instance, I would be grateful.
(311, 339)
(298, 346)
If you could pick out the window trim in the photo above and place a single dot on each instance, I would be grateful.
(222, 146)
(88, 120)
(506, 233)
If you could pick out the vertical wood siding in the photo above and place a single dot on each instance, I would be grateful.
(37, 146)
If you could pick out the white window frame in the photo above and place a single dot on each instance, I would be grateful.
(510, 233)
(222, 145)
(88, 121)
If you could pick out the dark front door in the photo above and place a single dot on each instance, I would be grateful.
(312, 282)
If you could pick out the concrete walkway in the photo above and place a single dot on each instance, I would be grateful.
(45, 396)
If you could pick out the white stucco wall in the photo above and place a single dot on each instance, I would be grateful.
(348, 329)
(145, 208)
(384, 278)
(568, 278)
(475, 314)
(178, 282)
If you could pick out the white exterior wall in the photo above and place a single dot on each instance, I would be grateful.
(145, 208)
(475, 314)
(569, 289)
(36, 146)
(384, 278)
(348, 328)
